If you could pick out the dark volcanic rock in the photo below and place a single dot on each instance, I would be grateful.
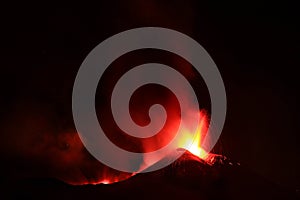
(187, 178)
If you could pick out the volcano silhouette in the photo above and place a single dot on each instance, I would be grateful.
(187, 178)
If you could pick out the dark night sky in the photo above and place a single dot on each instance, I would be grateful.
(254, 44)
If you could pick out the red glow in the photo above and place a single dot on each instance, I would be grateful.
(80, 168)
(190, 142)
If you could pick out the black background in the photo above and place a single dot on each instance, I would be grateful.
(255, 45)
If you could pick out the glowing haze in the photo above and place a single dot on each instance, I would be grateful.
(109, 176)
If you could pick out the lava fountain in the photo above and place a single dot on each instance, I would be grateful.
(201, 132)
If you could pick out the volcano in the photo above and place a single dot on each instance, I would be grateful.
(190, 177)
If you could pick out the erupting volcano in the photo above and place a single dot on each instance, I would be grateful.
(190, 143)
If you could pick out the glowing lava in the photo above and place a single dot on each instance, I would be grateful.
(195, 147)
